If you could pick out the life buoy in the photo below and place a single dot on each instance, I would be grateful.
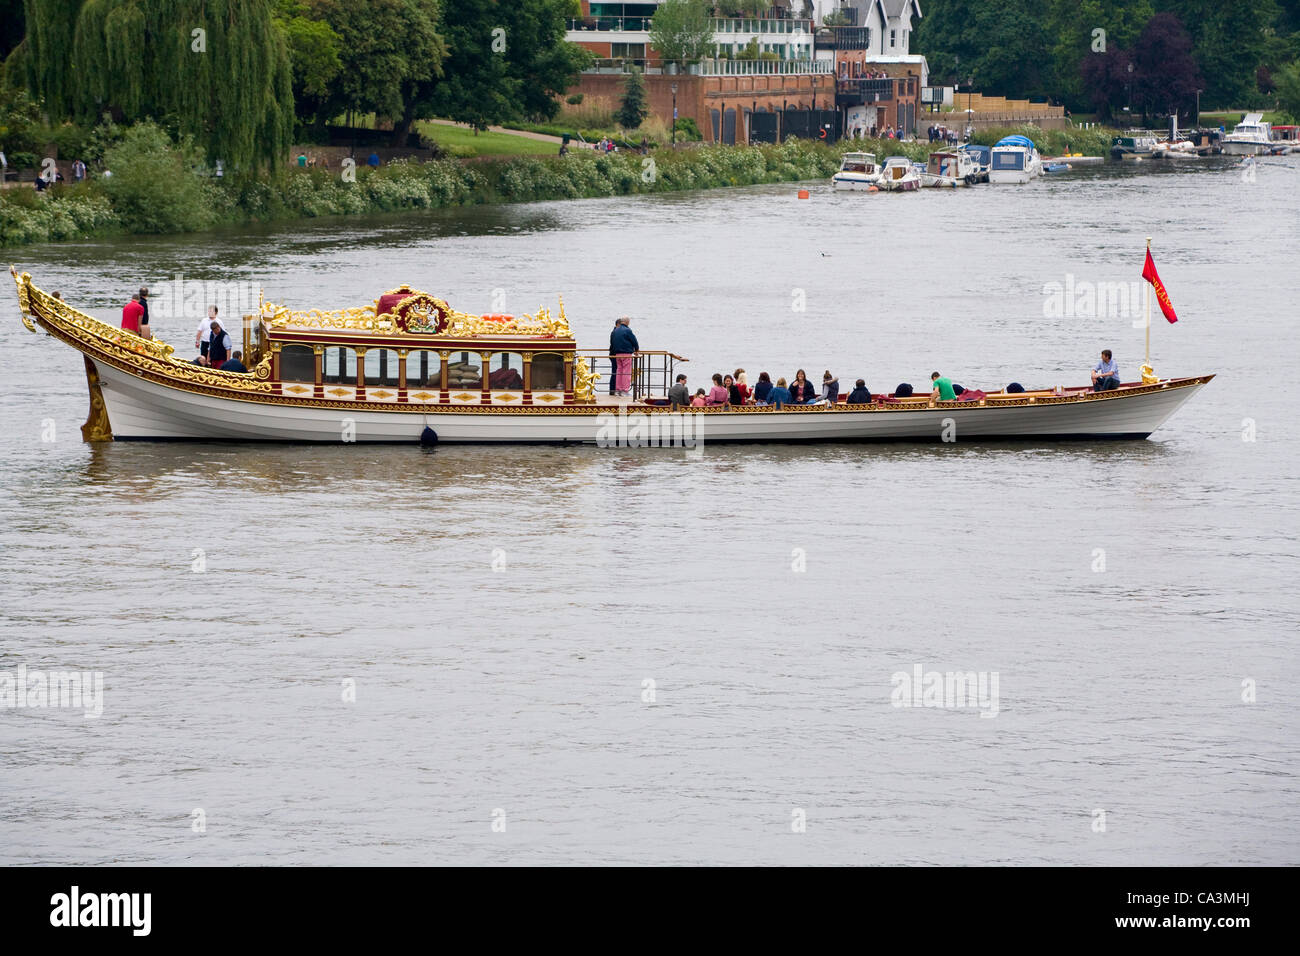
(823, 133)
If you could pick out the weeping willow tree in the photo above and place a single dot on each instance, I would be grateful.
(217, 70)
(45, 53)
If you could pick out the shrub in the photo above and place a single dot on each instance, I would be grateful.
(154, 186)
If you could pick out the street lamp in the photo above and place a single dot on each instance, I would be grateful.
(1129, 108)
(1197, 122)
(673, 87)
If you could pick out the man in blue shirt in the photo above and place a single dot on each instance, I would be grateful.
(1106, 375)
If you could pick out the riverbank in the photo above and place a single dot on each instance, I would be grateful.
(174, 198)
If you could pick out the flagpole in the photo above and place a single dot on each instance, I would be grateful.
(1148, 361)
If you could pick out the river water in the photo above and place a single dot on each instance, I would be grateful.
(325, 655)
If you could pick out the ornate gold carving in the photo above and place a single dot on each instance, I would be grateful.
(97, 427)
(380, 393)
(464, 397)
(584, 382)
(339, 391)
(423, 396)
(24, 283)
(298, 389)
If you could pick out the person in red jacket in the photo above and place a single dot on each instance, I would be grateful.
(135, 319)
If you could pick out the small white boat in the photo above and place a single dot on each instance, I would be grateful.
(980, 158)
(1251, 137)
(859, 172)
(899, 175)
(1015, 159)
(950, 168)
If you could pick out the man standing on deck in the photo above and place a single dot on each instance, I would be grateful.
(942, 388)
(135, 319)
(1106, 375)
(613, 362)
(219, 346)
(623, 346)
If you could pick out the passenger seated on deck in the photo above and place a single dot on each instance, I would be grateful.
(762, 389)
(1106, 374)
(941, 388)
(830, 388)
(679, 394)
(700, 399)
(779, 395)
(859, 395)
(801, 390)
(718, 394)
(235, 364)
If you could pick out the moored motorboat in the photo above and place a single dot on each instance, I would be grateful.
(1251, 137)
(410, 368)
(1014, 159)
(858, 172)
(899, 175)
(1132, 146)
(949, 168)
(981, 159)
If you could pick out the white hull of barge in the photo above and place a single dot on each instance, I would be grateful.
(141, 409)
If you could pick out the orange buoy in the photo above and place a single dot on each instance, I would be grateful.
(873, 189)
(803, 194)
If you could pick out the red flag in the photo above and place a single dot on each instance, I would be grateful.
(1149, 273)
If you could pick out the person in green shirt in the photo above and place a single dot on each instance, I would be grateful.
(942, 388)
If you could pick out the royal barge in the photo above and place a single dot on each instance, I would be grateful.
(408, 368)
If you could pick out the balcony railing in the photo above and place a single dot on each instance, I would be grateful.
(870, 91)
(722, 26)
(622, 64)
(851, 38)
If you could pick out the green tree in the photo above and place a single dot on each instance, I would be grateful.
(1083, 30)
(1229, 43)
(388, 48)
(1287, 81)
(315, 54)
(682, 30)
(507, 62)
(633, 109)
(216, 70)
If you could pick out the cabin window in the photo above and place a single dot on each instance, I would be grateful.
(382, 367)
(507, 371)
(548, 372)
(297, 364)
(423, 369)
(465, 370)
(340, 366)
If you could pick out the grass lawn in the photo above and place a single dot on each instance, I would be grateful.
(458, 138)
(1231, 118)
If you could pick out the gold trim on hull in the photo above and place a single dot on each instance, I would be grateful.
(97, 427)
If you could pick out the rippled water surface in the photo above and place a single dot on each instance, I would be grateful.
(500, 611)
